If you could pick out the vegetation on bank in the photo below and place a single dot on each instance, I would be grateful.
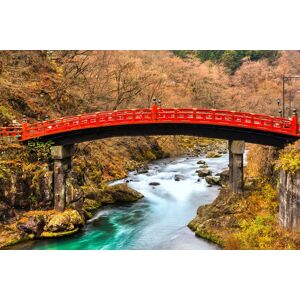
(289, 159)
(250, 220)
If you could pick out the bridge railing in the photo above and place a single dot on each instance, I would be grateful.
(11, 131)
(157, 115)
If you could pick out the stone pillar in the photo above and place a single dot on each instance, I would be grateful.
(62, 158)
(289, 200)
(236, 166)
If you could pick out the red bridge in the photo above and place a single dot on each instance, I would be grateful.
(253, 128)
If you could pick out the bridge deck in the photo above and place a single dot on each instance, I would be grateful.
(155, 115)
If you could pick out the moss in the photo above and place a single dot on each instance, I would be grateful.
(208, 236)
(9, 236)
(49, 234)
(64, 221)
(6, 114)
(149, 155)
(91, 205)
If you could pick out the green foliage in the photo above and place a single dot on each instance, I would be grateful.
(39, 151)
(33, 198)
(258, 233)
(6, 114)
(231, 59)
(289, 159)
(182, 53)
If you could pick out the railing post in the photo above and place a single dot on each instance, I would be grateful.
(154, 111)
(295, 121)
(24, 127)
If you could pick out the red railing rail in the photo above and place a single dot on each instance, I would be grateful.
(155, 115)
(11, 132)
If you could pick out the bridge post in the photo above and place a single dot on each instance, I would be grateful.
(236, 166)
(62, 158)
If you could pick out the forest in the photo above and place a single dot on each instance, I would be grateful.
(54, 83)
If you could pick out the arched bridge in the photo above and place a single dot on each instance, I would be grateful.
(237, 127)
(230, 125)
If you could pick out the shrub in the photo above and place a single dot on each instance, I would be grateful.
(289, 159)
(39, 151)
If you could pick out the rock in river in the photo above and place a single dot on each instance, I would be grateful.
(178, 177)
(123, 193)
(154, 183)
(213, 154)
(201, 162)
(204, 172)
(213, 180)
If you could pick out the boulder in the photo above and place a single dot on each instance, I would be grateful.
(10, 236)
(204, 172)
(178, 177)
(201, 162)
(91, 204)
(64, 221)
(122, 193)
(142, 170)
(32, 225)
(213, 154)
(203, 166)
(224, 177)
(212, 180)
(222, 151)
(154, 183)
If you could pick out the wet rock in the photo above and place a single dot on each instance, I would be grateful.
(91, 205)
(222, 151)
(10, 236)
(142, 170)
(201, 162)
(213, 180)
(204, 172)
(64, 221)
(178, 177)
(32, 225)
(154, 183)
(122, 193)
(224, 177)
(203, 166)
(213, 154)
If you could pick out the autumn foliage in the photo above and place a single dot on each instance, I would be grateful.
(55, 83)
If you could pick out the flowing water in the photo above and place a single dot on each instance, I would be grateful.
(157, 221)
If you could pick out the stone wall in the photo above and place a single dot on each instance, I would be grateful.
(289, 207)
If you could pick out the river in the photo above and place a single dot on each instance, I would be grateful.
(157, 221)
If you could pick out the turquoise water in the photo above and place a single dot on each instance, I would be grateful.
(158, 221)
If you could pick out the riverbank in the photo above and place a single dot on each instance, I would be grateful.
(93, 197)
(158, 220)
(250, 220)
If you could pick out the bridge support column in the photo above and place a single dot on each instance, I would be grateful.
(236, 166)
(62, 158)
